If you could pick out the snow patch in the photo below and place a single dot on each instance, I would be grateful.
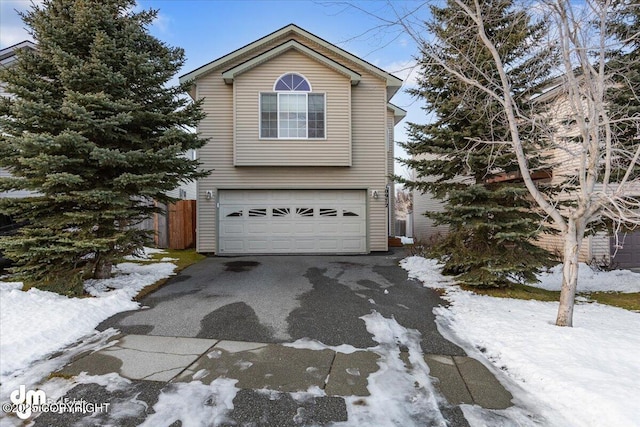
(585, 376)
(590, 280)
(145, 254)
(243, 364)
(31, 376)
(194, 404)
(111, 382)
(405, 240)
(310, 344)
(427, 271)
(130, 278)
(215, 354)
(9, 286)
(37, 323)
(353, 371)
(305, 396)
(200, 374)
(400, 395)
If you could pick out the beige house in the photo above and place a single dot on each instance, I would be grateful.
(600, 248)
(300, 147)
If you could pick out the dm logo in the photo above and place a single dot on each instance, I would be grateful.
(26, 400)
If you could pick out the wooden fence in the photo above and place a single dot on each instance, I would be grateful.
(176, 229)
(181, 224)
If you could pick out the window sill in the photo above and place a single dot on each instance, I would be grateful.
(292, 139)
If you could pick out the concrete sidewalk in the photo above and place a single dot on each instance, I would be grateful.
(278, 367)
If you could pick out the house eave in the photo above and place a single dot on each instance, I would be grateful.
(398, 113)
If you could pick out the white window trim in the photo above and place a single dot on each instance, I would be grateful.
(278, 138)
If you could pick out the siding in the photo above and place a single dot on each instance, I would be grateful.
(368, 164)
(335, 150)
(555, 244)
(423, 229)
(189, 188)
(600, 247)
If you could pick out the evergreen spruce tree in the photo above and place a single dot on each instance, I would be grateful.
(96, 133)
(492, 225)
(624, 65)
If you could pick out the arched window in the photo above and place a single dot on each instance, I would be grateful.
(292, 82)
(292, 111)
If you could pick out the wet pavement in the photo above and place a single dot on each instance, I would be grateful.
(288, 331)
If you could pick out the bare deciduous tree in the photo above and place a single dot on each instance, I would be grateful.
(600, 169)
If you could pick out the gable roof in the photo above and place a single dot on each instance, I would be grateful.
(230, 74)
(393, 83)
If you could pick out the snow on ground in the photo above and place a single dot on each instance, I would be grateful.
(405, 240)
(588, 375)
(37, 323)
(145, 254)
(310, 344)
(37, 370)
(194, 404)
(400, 395)
(590, 280)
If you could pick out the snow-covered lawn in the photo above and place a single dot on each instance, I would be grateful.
(37, 323)
(588, 375)
(592, 281)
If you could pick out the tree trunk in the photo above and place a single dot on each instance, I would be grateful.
(572, 241)
(103, 268)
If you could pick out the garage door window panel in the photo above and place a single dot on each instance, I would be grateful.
(304, 211)
(280, 212)
(258, 212)
(235, 213)
(328, 212)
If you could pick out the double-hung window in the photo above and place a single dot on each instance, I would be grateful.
(292, 110)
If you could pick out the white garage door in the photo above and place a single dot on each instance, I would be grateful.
(292, 221)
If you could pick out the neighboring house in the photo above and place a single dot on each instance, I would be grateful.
(424, 229)
(301, 149)
(186, 190)
(7, 57)
(601, 248)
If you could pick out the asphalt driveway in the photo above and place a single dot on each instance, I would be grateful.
(223, 320)
(273, 299)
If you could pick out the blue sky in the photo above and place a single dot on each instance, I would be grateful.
(208, 29)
